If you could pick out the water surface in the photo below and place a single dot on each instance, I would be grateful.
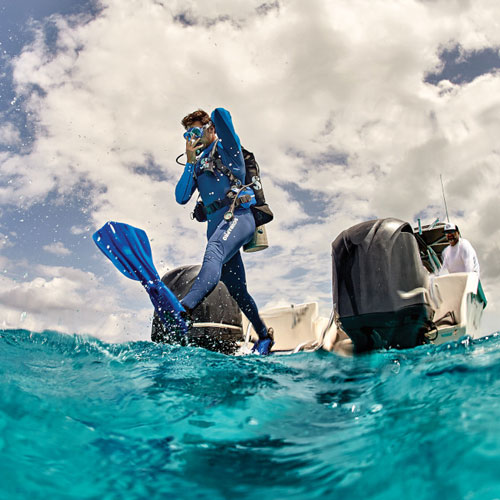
(80, 418)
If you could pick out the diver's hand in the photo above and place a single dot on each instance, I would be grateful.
(191, 149)
(263, 346)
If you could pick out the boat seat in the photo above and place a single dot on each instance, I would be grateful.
(447, 292)
(293, 325)
(447, 319)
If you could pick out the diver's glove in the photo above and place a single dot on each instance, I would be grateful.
(263, 345)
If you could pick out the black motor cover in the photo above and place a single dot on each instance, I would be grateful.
(379, 285)
(217, 307)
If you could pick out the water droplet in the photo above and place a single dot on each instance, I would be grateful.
(396, 367)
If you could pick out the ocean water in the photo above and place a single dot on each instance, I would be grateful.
(83, 419)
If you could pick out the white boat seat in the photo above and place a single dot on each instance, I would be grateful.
(293, 325)
(448, 291)
(447, 319)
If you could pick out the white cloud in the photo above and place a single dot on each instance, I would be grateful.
(4, 241)
(305, 83)
(9, 135)
(57, 248)
(72, 301)
(77, 230)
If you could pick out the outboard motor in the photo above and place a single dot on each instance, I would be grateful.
(380, 287)
(218, 307)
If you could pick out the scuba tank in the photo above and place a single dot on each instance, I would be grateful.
(261, 211)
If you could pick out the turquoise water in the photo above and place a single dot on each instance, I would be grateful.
(80, 418)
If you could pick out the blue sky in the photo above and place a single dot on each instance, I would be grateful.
(35, 225)
(352, 112)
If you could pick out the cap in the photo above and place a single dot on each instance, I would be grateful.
(450, 228)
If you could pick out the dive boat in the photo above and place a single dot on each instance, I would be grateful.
(385, 295)
(458, 299)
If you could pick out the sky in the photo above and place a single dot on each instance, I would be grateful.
(353, 108)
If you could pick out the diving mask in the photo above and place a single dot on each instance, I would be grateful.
(194, 133)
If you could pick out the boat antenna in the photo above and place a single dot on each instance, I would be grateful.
(444, 198)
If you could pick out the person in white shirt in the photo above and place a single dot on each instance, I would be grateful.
(459, 256)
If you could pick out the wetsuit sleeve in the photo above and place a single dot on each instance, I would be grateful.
(186, 185)
(231, 153)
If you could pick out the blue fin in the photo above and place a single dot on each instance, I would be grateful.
(263, 346)
(128, 248)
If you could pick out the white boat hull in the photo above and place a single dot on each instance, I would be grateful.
(457, 311)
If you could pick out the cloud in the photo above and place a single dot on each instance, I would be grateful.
(57, 248)
(71, 301)
(331, 97)
(4, 241)
(77, 230)
(9, 135)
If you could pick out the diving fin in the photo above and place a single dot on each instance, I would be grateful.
(128, 248)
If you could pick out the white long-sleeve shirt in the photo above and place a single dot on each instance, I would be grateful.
(460, 258)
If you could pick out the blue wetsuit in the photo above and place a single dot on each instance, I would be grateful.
(222, 260)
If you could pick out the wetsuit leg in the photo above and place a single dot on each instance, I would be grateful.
(233, 276)
(225, 241)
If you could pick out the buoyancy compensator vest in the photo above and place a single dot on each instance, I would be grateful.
(260, 210)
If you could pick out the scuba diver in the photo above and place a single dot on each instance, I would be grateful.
(215, 166)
